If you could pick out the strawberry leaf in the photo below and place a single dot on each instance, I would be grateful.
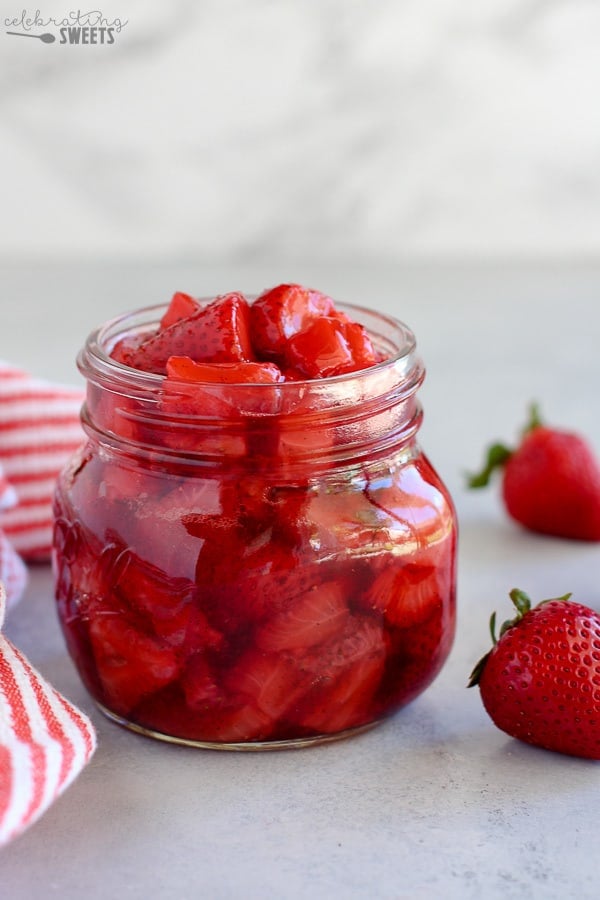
(497, 456)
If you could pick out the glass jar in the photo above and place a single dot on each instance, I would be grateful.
(254, 566)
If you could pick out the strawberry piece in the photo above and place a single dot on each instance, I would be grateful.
(350, 667)
(238, 725)
(271, 682)
(248, 582)
(258, 508)
(281, 312)
(125, 349)
(320, 350)
(415, 658)
(309, 619)
(405, 593)
(182, 306)
(551, 482)
(199, 684)
(198, 708)
(361, 346)
(198, 400)
(329, 346)
(539, 683)
(131, 665)
(182, 368)
(169, 604)
(219, 332)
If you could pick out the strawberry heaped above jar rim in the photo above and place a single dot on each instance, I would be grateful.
(354, 409)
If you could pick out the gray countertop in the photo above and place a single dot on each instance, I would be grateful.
(434, 803)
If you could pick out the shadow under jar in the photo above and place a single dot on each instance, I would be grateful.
(254, 566)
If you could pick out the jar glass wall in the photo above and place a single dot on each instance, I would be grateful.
(247, 566)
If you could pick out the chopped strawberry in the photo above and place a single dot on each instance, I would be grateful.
(254, 507)
(131, 665)
(272, 682)
(405, 594)
(188, 379)
(182, 368)
(416, 654)
(281, 312)
(199, 684)
(249, 581)
(125, 349)
(235, 725)
(219, 332)
(169, 604)
(351, 667)
(307, 620)
(320, 349)
(329, 346)
(363, 352)
(182, 306)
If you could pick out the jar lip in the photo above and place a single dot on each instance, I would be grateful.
(96, 358)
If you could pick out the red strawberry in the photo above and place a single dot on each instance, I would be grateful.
(169, 605)
(322, 349)
(219, 332)
(551, 482)
(199, 685)
(131, 665)
(182, 306)
(540, 683)
(350, 668)
(185, 389)
(361, 346)
(405, 593)
(126, 348)
(308, 620)
(272, 682)
(236, 725)
(281, 312)
(182, 368)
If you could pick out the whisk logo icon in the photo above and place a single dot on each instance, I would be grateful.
(77, 27)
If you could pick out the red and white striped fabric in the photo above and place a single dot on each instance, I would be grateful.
(39, 429)
(44, 740)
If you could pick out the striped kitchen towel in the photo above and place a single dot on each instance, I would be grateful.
(39, 429)
(44, 740)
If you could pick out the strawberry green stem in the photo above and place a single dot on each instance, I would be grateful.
(497, 456)
(534, 421)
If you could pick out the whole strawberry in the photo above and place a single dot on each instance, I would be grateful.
(551, 482)
(540, 682)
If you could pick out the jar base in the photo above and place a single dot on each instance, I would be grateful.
(245, 747)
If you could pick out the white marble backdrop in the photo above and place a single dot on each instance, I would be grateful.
(325, 128)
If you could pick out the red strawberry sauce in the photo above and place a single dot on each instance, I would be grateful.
(247, 555)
